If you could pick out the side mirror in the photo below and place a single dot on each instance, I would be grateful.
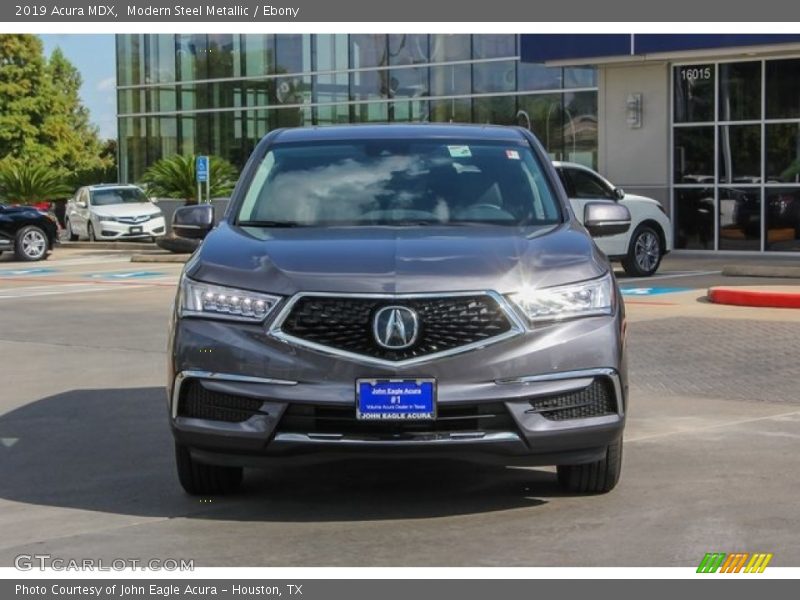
(80, 204)
(606, 218)
(193, 221)
(619, 193)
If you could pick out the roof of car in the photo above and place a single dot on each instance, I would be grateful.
(399, 131)
(561, 163)
(99, 186)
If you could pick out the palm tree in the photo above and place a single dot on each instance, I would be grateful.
(174, 177)
(26, 183)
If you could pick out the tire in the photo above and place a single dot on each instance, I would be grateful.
(199, 479)
(645, 252)
(73, 237)
(593, 478)
(90, 232)
(30, 244)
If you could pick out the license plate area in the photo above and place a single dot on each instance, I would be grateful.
(136, 230)
(404, 399)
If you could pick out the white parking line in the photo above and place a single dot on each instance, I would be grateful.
(672, 276)
(55, 290)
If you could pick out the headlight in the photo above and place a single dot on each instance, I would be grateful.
(106, 218)
(215, 301)
(594, 297)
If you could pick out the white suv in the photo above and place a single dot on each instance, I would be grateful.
(111, 212)
(649, 238)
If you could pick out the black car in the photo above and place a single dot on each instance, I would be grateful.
(29, 232)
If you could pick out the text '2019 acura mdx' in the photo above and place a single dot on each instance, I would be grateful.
(398, 290)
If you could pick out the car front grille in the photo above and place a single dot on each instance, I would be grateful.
(135, 220)
(445, 323)
(199, 403)
(341, 420)
(595, 400)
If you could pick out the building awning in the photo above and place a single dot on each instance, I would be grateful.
(578, 48)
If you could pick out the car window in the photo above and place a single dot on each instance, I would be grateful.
(588, 185)
(107, 197)
(377, 182)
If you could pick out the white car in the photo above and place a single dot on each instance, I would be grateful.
(649, 238)
(113, 212)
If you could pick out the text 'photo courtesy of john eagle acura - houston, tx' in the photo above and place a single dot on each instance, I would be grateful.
(393, 291)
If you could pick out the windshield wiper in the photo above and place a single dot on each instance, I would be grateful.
(269, 224)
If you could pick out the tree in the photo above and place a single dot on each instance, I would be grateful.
(42, 118)
(174, 177)
(25, 183)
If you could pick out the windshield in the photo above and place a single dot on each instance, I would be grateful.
(117, 196)
(399, 182)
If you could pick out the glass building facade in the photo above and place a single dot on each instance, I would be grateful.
(220, 94)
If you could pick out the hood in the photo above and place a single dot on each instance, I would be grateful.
(128, 209)
(643, 199)
(396, 260)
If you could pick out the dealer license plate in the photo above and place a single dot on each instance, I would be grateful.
(136, 230)
(395, 399)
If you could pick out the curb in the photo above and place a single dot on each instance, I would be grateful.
(784, 271)
(109, 245)
(160, 258)
(756, 298)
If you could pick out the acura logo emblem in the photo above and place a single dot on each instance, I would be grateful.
(395, 327)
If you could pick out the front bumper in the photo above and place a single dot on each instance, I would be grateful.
(113, 230)
(242, 361)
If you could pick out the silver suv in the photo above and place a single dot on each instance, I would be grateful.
(394, 291)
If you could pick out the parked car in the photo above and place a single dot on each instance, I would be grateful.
(394, 290)
(112, 212)
(649, 239)
(28, 232)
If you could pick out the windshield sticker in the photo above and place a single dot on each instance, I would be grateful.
(512, 154)
(459, 151)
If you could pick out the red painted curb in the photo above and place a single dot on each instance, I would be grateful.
(745, 297)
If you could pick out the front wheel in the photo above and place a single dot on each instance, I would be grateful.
(200, 479)
(30, 244)
(644, 253)
(593, 478)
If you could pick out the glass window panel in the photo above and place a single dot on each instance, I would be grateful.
(290, 117)
(783, 152)
(451, 80)
(331, 52)
(783, 89)
(128, 59)
(259, 54)
(580, 77)
(292, 90)
(224, 56)
(498, 110)
(739, 91)
(493, 46)
(541, 113)
(533, 77)
(256, 126)
(260, 92)
(580, 128)
(133, 147)
(190, 51)
(454, 110)
(740, 154)
(694, 93)
(446, 47)
(333, 114)
(406, 111)
(497, 76)
(187, 134)
(408, 49)
(331, 88)
(293, 53)
(158, 99)
(694, 218)
(160, 58)
(409, 82)
(367, 85)
(193, 96)
(370, 112)
(783, 219)
(739, 218)
(368, 50)
(694, 155)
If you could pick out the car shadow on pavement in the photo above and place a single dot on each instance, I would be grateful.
(111, 451)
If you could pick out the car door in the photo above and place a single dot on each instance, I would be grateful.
(81, 212)
(584, 186)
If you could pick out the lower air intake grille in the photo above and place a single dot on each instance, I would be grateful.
(595, 400)
(199, 403)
